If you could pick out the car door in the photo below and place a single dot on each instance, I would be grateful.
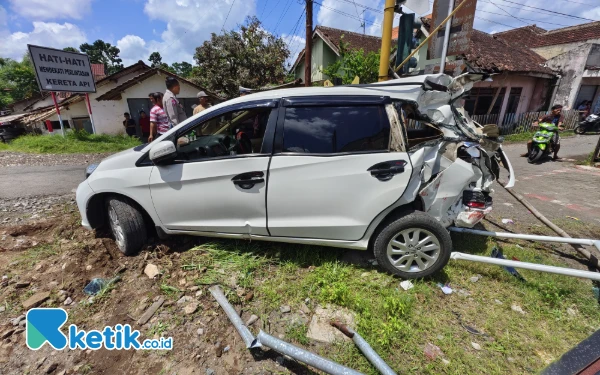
(332, 172)
(218, 183)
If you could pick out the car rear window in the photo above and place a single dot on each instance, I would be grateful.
(338, 129)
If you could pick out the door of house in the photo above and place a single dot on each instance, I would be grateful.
(135, 106)
(586, 92)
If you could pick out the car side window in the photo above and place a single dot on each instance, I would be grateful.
(335, 129)
(233, 133)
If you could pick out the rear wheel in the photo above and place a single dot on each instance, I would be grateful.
(413, 246)
(535, 155)
(580, 129)
(127, 225)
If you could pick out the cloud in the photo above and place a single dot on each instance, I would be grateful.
(47, 34)
(295, 44)
(133, 48)
(51, 9)
(189, 24)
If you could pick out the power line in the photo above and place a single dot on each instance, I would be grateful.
(527, 19)
(345, 14)
(285, 10)
(231, 7)
(263, 9)
(503, 24)
(363, 6)
(515, 17)
(549, 11)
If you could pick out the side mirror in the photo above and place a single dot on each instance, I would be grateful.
(163, 152)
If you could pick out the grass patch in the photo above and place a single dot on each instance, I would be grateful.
(34, 254)
(74, 142)
(527, 136)
(397, 323)
(589, 160)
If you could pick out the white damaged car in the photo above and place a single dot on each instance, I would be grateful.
(387, 166)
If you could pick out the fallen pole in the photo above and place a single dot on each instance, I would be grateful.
(593, 261)
(247, 336)
(531, 237)
(528, 266)
(304, 356)
(366, 349)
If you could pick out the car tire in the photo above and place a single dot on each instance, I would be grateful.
(397, 240)
(127, 225)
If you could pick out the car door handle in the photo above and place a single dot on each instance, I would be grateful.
(386, 170)
(248, 180)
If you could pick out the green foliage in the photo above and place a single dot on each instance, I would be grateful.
(352, 63)
(74, 142)
(156, 61)
(71, 49)
(17, 80)
(101, 52)
(182, 69)
(249, 57)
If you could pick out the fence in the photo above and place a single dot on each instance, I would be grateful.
(513, 123)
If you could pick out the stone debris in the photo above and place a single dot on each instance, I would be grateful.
(151, 270)
(35, 300)
(150, 312)
(476, 346)
(517, 308)
(285, 309)
(320, 328)
(253, 318)
(191, 308)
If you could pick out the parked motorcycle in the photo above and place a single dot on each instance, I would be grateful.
(591, 123)
(542, 142)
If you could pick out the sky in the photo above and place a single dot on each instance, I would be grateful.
(176, 27)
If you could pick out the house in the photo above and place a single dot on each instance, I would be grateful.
(572, 51)
(124, 91)
(521, 83)
(326, 50)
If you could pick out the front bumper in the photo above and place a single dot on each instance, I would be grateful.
(82, 196)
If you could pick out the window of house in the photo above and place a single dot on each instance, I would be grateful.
(325, 130)
(513, 99)
(480, 98)
(233, 133)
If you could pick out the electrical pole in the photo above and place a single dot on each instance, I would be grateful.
(386, 39)
(308, 46)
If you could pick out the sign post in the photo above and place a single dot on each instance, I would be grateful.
(89, 107)
(61, 71)
(62, 129)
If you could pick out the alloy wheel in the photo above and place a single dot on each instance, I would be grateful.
(413, 250)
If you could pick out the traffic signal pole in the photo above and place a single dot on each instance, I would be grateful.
(386, 39)
(431, 34)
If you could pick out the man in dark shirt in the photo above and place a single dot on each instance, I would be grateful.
(555, 117)
(129, 124)
(144, 125)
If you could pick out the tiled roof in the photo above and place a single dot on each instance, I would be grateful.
(98, 71)
(495, 54)
(115, 93)
(140, 65)
(367, 43)
(533, 36)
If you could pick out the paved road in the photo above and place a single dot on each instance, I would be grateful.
(25, 181)
(556, 189)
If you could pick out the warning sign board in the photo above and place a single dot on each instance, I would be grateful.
(460, 30)
(58, 70)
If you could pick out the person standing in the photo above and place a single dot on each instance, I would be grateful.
(129, 125)
(144, 125)
(159, 121)
(202, 102)
(171, 105)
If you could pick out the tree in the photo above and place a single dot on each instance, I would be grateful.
(183, 69)
(17, 80)
(156, 62)
(71, 49)
(249, 57)
(354, 63)
(101, 52)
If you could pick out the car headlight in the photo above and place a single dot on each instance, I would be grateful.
(90, 169)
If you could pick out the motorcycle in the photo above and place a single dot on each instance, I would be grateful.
(542, 142)
(591, 123)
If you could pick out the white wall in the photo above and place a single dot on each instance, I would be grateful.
(549, 52)
(108, 114)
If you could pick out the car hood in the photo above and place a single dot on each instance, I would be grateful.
(123, 159)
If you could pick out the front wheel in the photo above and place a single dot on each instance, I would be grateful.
(535, 155)
(581, 129)
(127, 225)
(413, 246)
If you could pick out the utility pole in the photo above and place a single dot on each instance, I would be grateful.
(308, 46)
(363, 22)
(386, 39)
